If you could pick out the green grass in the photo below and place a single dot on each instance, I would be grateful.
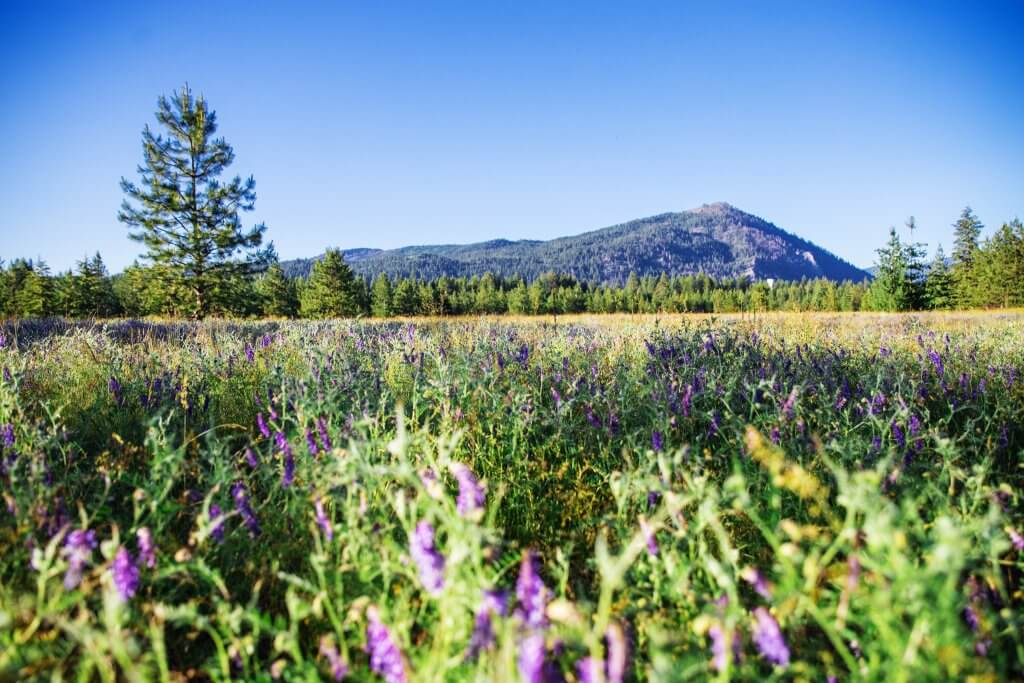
(883, 530)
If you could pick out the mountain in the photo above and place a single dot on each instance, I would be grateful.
(716, 239)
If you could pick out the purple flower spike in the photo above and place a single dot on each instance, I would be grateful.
(385, 657)
(471, 494)
(325, 438)
(288, 476)
(147, 551)
(245, 509)
(217, 532)
(531, 658)
(78, 547)
(768, 638)
(429, 561)
(757, 580)
(656, 442)
(250, 354)
(7, 435)
(617, 653)
(482, 638)
(125, 573)
(321, 519)
(531, 592)
(262, 424)
(648, 532)
(250, 458)
(588, 670)
(719, 652)
(339, 669)
(311, 443)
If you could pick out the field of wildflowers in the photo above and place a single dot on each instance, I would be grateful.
(820, 498)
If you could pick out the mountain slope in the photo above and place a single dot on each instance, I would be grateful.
(716, 239)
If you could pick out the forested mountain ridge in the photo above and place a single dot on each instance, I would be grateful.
(715, 239)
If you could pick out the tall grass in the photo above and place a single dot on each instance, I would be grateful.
(780, 497)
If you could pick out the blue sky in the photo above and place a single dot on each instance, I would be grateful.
(385, 124)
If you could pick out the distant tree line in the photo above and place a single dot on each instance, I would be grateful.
(199, 261)
(981, 273)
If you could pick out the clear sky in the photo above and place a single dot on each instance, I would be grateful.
(383, 124)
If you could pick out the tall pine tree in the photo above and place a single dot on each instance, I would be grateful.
(330, 291)
(187, 219)
(966, 268)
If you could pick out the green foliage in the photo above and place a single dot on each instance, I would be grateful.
(899, 281)
(332, 289)
(855, 477)
(186, 218)
(278, 294)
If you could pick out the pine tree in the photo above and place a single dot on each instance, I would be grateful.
(1000, 266)
(91, 291)
(380, 296)
(406, 300)
(330, 291)
(277, 293)
(891, 290)
(939, 283)
(965, 270)
(187, 219)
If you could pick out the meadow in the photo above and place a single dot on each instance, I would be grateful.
(826, 497)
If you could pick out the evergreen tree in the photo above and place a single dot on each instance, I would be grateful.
(939, 283)
(1001, 267)
(892, 288)
(186, 218)
(330, 291)
(91, 291)
(965, 270)
(380, 296)
(406, 300)
(277, 293)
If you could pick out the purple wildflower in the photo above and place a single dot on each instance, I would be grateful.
(787, 406)
(125, 573)
(250, 353)
(593, 419)
(531, 658)
(897, 435)
(217, 532)
(937, 362)
(713, 426)
(321, 428)
(757, 580)
(147, 551)
(311, 442)
(648, 532)
(617, 653)
(78, 547)
(328, 650)
(588, 670)
(482, 638)
(245, 509)
(288, 476)
(385, 657)
(687, 400)
(471, 494)
(719, 649)
(428, 560)
(768, 638)
(7, 434)
(322, 521)
(531, 592)
(1016, 539)
(656, 441)
(262, 424)
(250, 458)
